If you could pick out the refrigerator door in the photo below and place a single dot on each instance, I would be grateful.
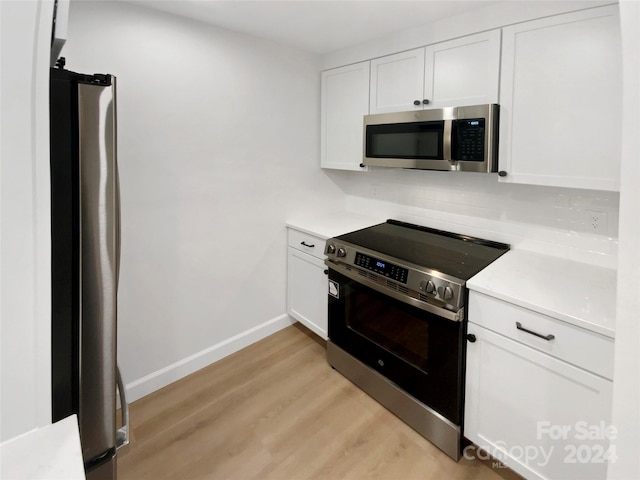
(65, 246)
(99, 244)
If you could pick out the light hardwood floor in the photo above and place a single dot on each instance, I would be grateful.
(277, 410)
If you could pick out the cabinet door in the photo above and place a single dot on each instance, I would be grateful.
(345, 101)
(531, 410)
(465, 71)
(307, 291)
(397, 81)
(560, 115)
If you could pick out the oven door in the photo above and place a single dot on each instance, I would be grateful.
(418, 351)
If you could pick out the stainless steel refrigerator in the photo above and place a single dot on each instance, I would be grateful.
(85, 251)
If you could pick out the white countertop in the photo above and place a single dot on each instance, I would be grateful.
(580, 294)
(577, 293)
(49, 453)
(329, 225)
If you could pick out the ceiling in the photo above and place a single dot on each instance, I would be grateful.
(318, 26)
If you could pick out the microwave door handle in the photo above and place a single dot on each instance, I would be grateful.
(447, 140)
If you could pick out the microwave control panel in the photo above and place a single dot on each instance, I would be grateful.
(468, 140)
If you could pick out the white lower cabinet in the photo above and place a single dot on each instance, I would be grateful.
(307, 282)
(541, 416)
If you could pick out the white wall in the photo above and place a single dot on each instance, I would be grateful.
(25, 366)
(626, 386)
(542, 219)
(218, 145)
(486, 16)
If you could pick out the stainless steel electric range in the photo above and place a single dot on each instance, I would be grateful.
(397, 324)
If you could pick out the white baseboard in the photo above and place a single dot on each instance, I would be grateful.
(169, 374)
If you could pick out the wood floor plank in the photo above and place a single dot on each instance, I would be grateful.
(277, 411)
(169, 405)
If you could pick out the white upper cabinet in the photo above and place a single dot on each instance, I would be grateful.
(464, 71)
(560, 115)
(345, 101)
(397, 82)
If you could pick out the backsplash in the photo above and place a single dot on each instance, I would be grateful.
(576, 224)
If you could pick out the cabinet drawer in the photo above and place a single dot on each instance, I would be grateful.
(582, 348)
(307, 243)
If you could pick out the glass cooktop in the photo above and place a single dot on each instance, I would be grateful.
(453, 254)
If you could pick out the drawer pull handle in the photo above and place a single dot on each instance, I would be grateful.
(546, 337)
(306, 244)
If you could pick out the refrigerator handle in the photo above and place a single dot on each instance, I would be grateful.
(122, 435)
(118, 209)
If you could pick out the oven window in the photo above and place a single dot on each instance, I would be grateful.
(419, 339)
(397, 331)
(417, 350)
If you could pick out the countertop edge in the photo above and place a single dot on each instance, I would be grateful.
(573, 292)
(573, 320)
(326, 226)
(50, 452)
(307, 230)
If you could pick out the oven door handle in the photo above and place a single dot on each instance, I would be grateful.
(427, 307)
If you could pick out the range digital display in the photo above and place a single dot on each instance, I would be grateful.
(394, 272)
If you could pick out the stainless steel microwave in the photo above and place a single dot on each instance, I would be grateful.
(454, 138)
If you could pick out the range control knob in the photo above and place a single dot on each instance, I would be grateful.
(342, 252)
(445, 292)
(331, 249)
(431, 287)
